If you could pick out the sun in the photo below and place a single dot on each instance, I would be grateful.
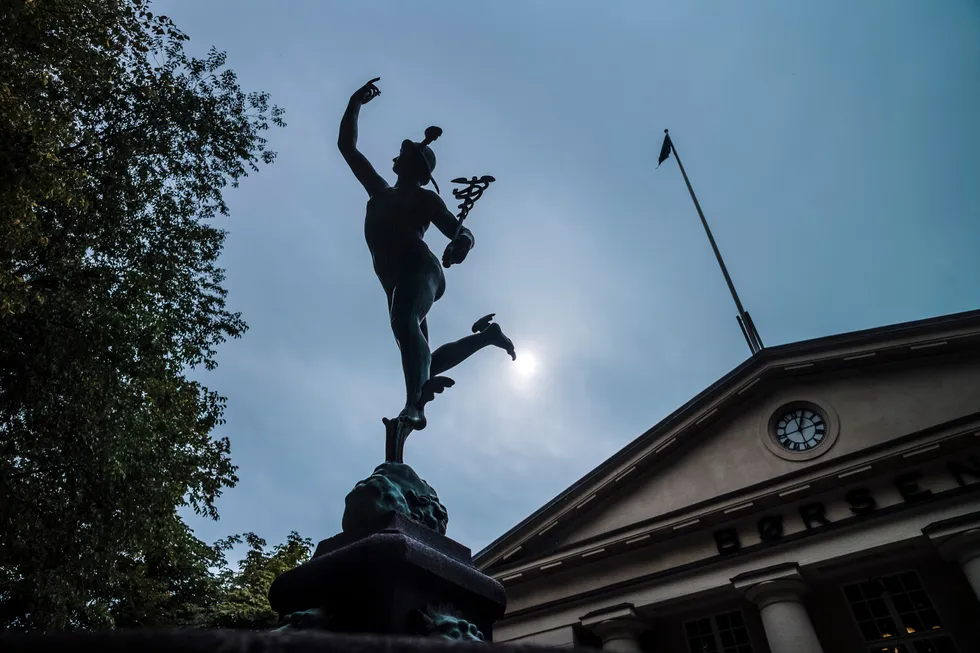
(526, 365)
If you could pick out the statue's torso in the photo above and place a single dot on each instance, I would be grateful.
(394, 227)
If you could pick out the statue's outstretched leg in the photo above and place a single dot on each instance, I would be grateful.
(485, 334)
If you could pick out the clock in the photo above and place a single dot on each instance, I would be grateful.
(800, 429)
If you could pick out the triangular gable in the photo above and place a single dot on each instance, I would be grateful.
(871, 409)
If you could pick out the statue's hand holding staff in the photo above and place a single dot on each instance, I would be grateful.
(457, 249)
(461, 243)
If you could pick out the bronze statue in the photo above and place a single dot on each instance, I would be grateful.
(412, 277)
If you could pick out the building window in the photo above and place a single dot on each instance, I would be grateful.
(895, 615)
(722, 633)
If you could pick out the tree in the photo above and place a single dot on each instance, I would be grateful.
(173, 585)
(115, 150)
(244, 598)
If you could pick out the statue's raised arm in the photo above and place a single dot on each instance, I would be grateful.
(347, 140)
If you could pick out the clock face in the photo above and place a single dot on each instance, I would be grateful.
(800, 429)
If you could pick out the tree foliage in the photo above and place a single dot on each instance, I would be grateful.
(244, 596)
(115, 149)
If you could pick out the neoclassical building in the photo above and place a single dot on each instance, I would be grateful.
(823, 496)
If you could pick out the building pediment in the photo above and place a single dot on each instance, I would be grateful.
(875, 390)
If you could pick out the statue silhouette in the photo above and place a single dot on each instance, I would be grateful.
(412, 277)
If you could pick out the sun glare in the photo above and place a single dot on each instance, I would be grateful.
(526, 364)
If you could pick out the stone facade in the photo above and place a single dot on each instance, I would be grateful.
(824, 496)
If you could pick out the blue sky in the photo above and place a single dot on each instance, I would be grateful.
(833, 146)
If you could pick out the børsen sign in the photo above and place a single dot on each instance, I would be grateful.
(861, 502)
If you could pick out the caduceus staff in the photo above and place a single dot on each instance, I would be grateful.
(394, 227)
(470, 194)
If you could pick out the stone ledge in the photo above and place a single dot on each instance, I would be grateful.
(392, 523)
(154, 640)
(377, 557)
(940, 530)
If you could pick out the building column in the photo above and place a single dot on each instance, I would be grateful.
(778, 592)
(618, 627)
(969, 560)
(620, 635)
(958, 540)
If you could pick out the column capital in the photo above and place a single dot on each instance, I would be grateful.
(956, 539)
(961, 547)
(776, 584)
(628, 628)
(617, 626)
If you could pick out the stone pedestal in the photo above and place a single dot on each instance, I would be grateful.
(383, 580)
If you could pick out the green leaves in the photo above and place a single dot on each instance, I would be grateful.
(115, 149)
(245, 594)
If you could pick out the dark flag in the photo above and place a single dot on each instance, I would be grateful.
(665, 149)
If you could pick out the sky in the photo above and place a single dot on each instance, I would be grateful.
(833, 146)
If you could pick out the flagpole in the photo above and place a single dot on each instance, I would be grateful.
(752, 337)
